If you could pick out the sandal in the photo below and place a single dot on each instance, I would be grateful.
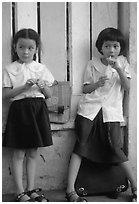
(21, 195)
(73, 197)
(134, 194)
(36, 197)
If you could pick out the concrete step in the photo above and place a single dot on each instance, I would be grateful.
(59, 196)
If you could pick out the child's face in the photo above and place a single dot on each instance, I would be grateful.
(25, 49)
(111, 48)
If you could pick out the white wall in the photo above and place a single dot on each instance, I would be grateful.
(133, 90)
(52, 164)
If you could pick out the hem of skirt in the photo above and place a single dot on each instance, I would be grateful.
(100, 161)
(17, 147)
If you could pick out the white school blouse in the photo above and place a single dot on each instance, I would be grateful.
(16, 74)
(109, 97)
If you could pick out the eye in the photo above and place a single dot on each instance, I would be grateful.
(31, 48)
(21, 47)
(116, 46)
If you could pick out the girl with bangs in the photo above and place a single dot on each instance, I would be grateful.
(100, 111)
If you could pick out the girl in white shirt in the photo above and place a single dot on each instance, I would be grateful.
(100, 111)
(26, 83)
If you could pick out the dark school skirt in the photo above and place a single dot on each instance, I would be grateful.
(28, 124)
(97, 141)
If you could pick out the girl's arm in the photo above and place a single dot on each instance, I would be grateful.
(88, 88)
(125, 82)
(46, 90)
(9, 93)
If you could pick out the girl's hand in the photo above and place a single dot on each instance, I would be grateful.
(45, 89)
(101, 81)
(30, 83)
(41, 84)
(114, 63)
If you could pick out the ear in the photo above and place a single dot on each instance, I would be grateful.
(101, 51)
(14, 48)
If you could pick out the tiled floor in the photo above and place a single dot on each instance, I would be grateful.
(59, 196)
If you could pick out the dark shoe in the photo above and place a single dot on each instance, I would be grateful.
(37, 197)
(73, 197)
(19, 198)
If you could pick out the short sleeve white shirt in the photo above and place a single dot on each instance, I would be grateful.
(109, 97)
(16, 74)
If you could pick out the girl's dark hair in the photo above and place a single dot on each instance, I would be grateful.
(110, 34)
(27, 34)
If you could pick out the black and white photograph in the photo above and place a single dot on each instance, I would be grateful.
(69, 101)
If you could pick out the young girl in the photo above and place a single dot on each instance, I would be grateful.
(26, 83)
(100, 111)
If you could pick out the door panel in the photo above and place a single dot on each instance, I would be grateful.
(53, 36)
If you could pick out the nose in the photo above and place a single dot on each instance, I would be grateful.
(111, 49)
(26, 51)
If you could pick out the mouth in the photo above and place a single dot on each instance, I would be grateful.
(26, 58)
(111, 56)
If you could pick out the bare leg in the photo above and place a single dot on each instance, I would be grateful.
(17, 170)
(74, 166)
(31, 157)
(129, 172)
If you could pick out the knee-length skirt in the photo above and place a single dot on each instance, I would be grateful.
(28, 124)
(98, 141)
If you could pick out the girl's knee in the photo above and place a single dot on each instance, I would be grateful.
(31, 153)
(18, 154)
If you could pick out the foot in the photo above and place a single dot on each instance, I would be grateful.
(23, 197)
(34, 195)
(134, 194)
(73, 197)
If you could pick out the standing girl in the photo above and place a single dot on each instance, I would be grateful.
(100, 111)
(26, 83)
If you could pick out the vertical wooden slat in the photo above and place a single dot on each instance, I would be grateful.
(53, 36)
(123, 25)
(13, 18)
(80, 42)
(68, 37)
(6, 50)
(26, 15)
(104, 14)
(6, 33)
(91, 30)
(39, 27)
